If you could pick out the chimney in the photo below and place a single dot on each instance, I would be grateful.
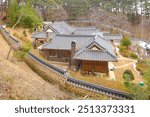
(47, 37)
(73, 51)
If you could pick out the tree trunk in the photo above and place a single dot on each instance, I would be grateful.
(17, 21)
(9, 53)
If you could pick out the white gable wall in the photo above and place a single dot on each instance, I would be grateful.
(49, 30)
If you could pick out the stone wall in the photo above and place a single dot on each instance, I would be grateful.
(11, 40)
(53, 77)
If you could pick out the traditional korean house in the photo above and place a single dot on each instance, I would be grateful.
(114, 38)
(84, 48)
(91, 54)
(143, 49)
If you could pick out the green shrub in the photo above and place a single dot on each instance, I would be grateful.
(126, 42)
(122, 48)
(126, 53)
(20, 54)
(133, 55)
(128, 75)
(27, 46)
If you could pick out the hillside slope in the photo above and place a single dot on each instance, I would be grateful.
(18, 81)
(109, 21)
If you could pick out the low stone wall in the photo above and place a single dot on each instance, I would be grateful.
(11, 40)
(85, 92)
(46, 73)
(53, 77)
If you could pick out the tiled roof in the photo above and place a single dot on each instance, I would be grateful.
(64, 28)
(144, 45)
(109, 36)
(61, 28)
(63, 42)
(85, 31)
(41, 35)
(95, 56)
(85, 37)
(83, 43)
(148, 46)
(105, 53)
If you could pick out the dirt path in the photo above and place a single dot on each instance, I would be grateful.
(127, 63)
(18, 81)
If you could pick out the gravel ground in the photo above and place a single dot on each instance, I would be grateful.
(18, 81)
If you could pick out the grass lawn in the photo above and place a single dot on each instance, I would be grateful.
(104, 81)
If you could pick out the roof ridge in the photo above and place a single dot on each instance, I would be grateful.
(85, 50)
(105, 41)
(64, 23)
(111, 55)
(67, 35)
(85, 27)
(51, 27)
(89, 41)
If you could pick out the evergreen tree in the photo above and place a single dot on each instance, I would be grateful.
(13, 9)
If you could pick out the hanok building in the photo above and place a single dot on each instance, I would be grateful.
(114, 38)
(88, 53)
(85, 48)
(60, 28)
(143, 49)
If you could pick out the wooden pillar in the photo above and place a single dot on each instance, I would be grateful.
(36, 43)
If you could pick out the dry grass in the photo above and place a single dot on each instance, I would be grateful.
(20, 82)
(18, 32)
(104, 81)
(122, 62)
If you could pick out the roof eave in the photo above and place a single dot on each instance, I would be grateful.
(56, 49)
(95, 60)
